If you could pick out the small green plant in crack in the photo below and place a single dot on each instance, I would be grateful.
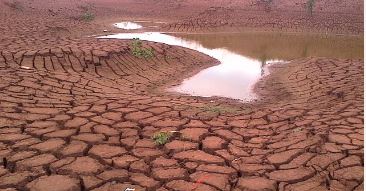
(14, 5)
(87, 16)
(161, 138)
(140, 52)
(219, 109)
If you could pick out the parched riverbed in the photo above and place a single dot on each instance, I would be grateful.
(77, 113)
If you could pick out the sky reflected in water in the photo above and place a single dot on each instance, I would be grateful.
(243, 58)
(233, 78)
(127, 25)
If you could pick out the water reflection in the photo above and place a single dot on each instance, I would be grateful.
(233, 78)
(282, 46)
(127, 25)
(244, 57)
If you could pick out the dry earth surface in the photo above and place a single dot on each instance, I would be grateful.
(78, 113)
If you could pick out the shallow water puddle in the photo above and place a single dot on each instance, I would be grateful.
(233, 78)
(127, 25)
(243, 57)
(281, 46)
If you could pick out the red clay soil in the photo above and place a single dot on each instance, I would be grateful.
(78, 113)
(330, 16)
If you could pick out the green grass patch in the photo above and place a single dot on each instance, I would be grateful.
(140, 52)
(87, 16)
(220, 109)
(161, 138)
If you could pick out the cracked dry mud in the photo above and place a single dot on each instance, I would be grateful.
(78, 114)
(88, 124)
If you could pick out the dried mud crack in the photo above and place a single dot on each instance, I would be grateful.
(80, 113)
(84, 118)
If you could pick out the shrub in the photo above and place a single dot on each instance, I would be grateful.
(87, 16)
(140, 52)
(161, 138)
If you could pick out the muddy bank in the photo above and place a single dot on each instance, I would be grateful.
(314, 82)
(76, 114)
(80, 119)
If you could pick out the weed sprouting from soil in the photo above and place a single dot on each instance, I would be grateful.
(310, 6)
(87, 16)
(140, 52)
(220, 109)
(161, 138)
(14, 5)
